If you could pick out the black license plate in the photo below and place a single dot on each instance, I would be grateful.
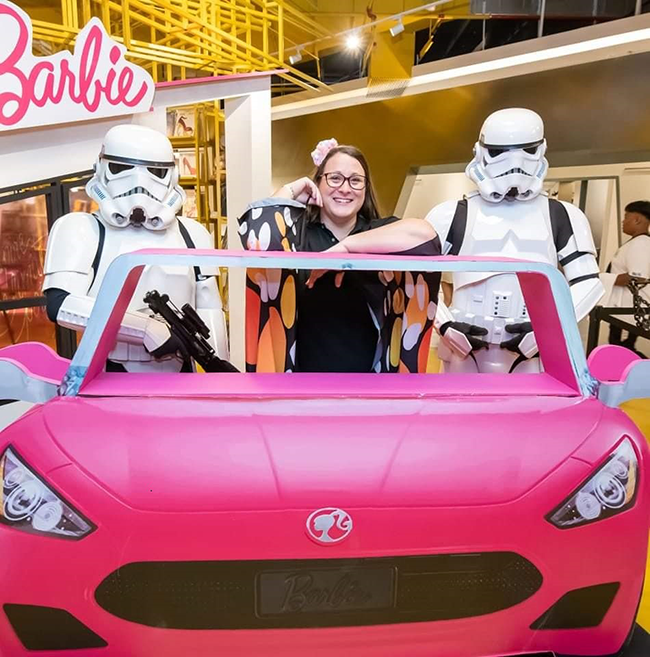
(326, 590)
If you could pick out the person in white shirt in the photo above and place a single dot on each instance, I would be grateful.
(630, 262)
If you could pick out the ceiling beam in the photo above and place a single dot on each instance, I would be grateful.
(597, 42)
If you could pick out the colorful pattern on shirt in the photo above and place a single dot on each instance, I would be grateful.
(402, 303)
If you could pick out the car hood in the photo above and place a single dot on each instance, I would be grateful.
(210, 455)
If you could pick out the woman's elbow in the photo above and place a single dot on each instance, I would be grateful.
(421, 230)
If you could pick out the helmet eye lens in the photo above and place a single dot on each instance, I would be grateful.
(495, 152)
(159, 172)
(116, 167)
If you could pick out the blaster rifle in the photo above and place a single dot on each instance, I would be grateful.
(190, 332)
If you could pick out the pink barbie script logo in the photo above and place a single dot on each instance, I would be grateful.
(94, 81)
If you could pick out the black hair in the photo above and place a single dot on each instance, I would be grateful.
(640, 207)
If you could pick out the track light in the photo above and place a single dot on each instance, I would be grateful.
(398, 28)
(353, 42)
(296, 57)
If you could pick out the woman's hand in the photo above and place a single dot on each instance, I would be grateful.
(317, 273)
(303, 190)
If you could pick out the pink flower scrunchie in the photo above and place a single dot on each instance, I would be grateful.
(322, 149)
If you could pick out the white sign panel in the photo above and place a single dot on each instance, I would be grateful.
(94, 81)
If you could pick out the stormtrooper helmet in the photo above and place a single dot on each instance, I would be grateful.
(136, 180)
(509, 160)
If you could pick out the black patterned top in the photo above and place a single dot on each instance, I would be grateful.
(375, 322)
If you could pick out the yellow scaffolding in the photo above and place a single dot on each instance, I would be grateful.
(204, 176)
(179, 39)
(176, 39)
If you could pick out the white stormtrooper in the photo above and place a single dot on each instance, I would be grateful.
(487, 328)
(136, 187)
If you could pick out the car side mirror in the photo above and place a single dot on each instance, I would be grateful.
(622, 374)
(609, 362)
(31, 372)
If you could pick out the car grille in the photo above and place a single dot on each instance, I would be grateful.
(317, 592)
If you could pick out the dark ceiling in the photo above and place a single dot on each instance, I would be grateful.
(460, 37)
(464, 36)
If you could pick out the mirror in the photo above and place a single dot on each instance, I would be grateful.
(635, 384)
(609, 362)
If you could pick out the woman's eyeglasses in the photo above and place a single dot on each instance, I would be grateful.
(336, 180)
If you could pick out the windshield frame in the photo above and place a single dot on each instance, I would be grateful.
(545, 291)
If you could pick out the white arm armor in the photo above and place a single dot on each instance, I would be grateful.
(440, 218)
(208, 300)
(136, 327)
(71, 249)
(455, 340)
(528, 346)
(578, 260)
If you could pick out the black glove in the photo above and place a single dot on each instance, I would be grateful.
(217, 364)
(519, 332)
(470, 331)
(172, 346)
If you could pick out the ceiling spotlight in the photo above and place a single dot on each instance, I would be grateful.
(353, 42)
(295, 58)
(398, 28)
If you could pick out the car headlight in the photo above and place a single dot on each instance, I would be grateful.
(27, 503)
(610, 490)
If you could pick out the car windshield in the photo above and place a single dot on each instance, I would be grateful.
(522, 323)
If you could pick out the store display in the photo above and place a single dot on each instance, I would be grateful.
(189, 207)
(23, 235)
(194, 132)
(186, 162)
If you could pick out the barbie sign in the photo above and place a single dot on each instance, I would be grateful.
(92, 82)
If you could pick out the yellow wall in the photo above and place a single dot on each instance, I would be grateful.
(639, 411)
(594, 113)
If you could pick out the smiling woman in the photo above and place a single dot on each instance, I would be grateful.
(323, 321)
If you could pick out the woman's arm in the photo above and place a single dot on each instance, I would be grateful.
(393, 238)
(396, 238)
(303, 190)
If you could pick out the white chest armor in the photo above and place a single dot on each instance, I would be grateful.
(177, 282)
(518, 229)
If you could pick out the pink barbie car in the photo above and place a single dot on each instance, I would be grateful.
(322, 514)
